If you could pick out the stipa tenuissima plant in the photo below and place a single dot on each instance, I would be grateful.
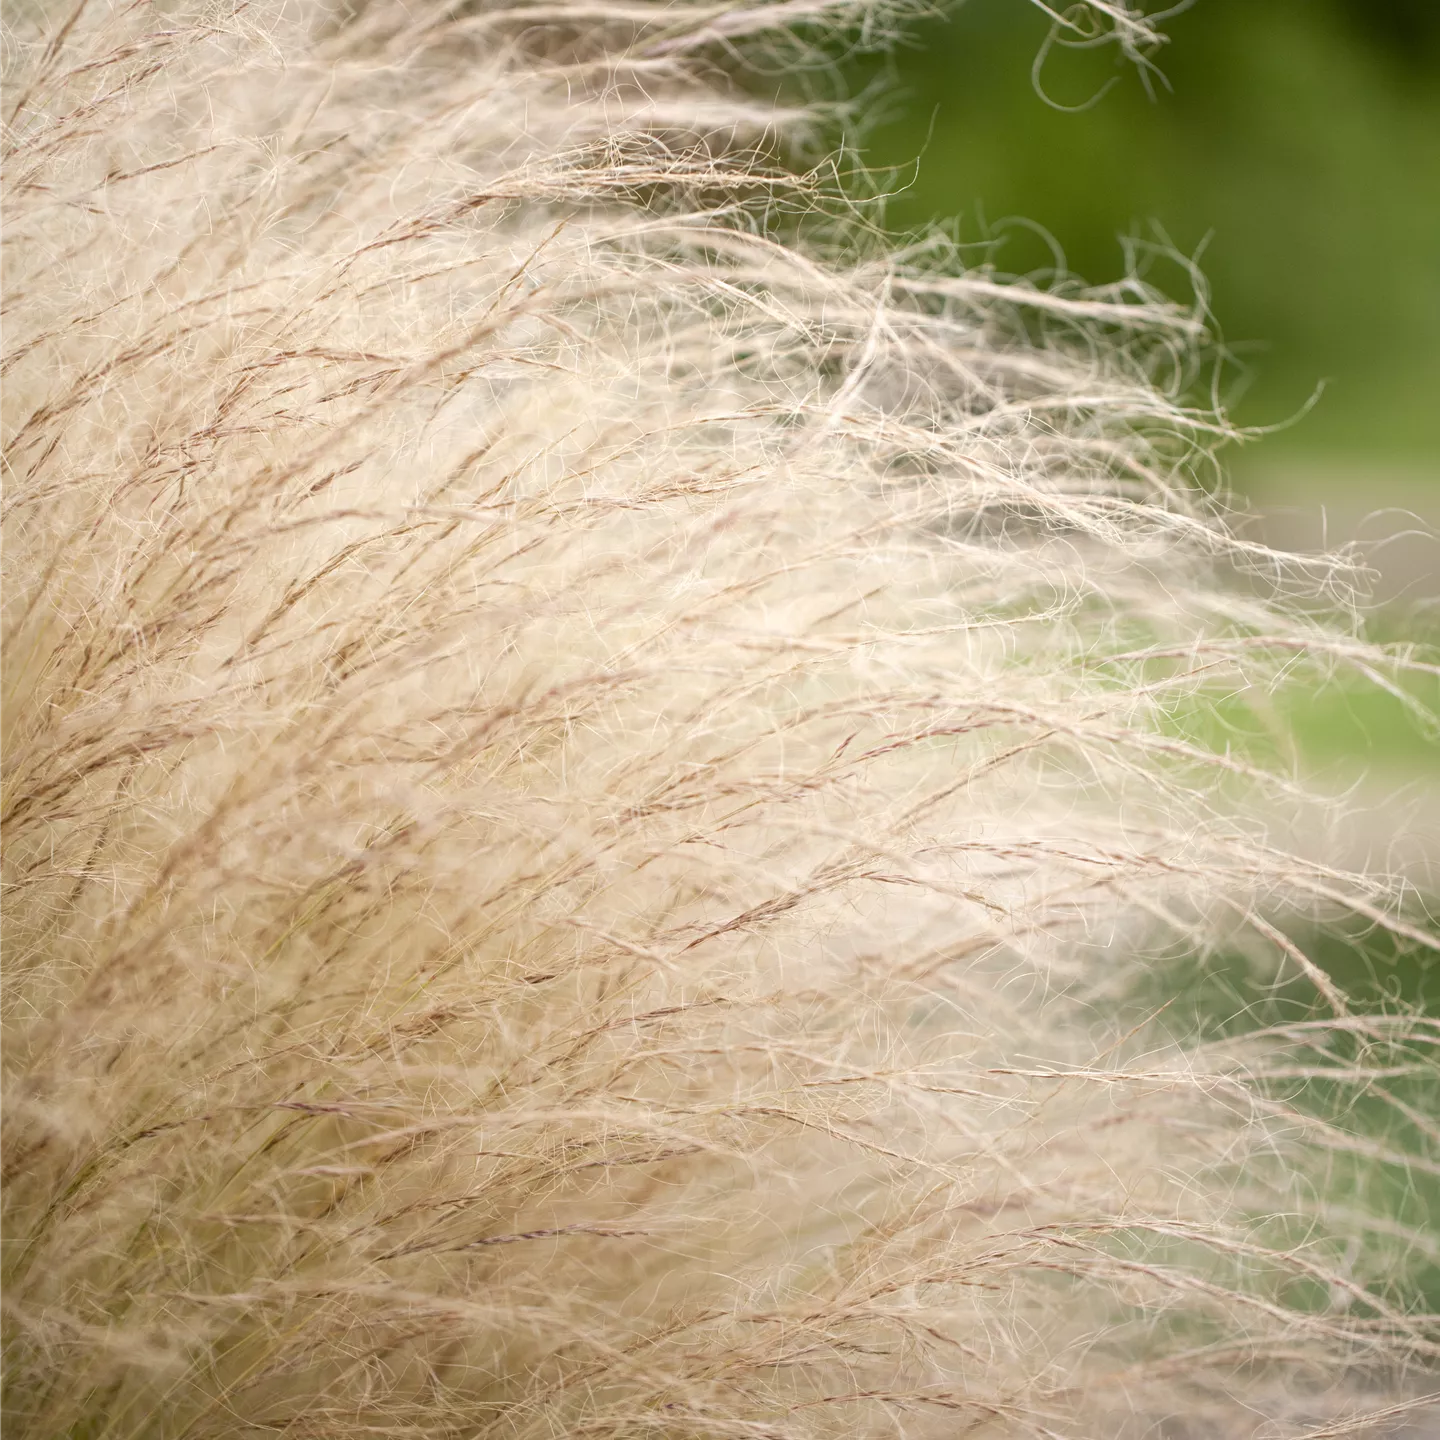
(585, 787)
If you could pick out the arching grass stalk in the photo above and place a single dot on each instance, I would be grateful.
(583, 785)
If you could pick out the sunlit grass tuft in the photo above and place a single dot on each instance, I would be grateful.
(587, 791)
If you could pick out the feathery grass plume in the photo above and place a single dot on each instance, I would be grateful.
(585, 788)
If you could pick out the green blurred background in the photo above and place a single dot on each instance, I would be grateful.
(1293, 144)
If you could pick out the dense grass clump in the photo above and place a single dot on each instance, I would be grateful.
(587, 789)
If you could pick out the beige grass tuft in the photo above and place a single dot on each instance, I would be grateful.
(587, 791)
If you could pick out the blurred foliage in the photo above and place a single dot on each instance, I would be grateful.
(1350, 724)
(1234, 991)
(1292, 148)
(1293, 145)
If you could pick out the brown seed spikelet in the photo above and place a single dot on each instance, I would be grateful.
(585, 787)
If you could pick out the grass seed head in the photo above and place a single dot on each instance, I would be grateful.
(589, 788)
